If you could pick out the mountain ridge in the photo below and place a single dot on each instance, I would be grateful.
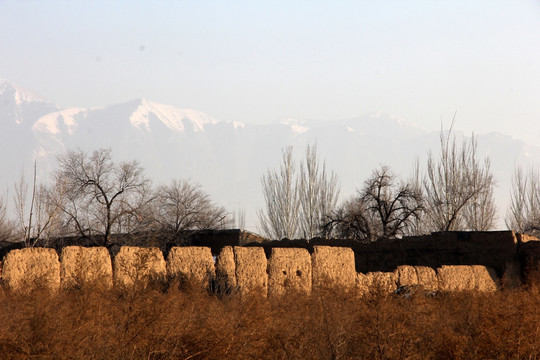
(227, 158)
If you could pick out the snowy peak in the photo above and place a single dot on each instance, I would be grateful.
(298, 126)
(140, 114)
(53, 122)
(20, 96)
(174, 118)
(20, 106)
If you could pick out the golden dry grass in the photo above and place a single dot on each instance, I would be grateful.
(152, 323)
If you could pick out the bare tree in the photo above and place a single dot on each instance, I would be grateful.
(6, 226)
(41, 218)
(47, 213)
(395, 204)
(298, 205)
(280, 218)
(318, 193)
(524, 212)
(480, 213)
(352, 220)
(182, 205)
(238, 219)
(102, 197)
(458, 187)
(24, 218)
(417, 224)
(385, 207)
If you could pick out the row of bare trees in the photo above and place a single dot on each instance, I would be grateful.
(456, 193)
(94, 197)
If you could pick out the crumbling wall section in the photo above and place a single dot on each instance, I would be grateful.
(406, 275)
(193, 264)
(363, 284)
(226, 271)
(333, 266)
(289, 269)
(80, 266)
(467, 278)
(136, 266)
(250, 270)
(427, 278)
(486, 279)
(384, 282)
(30, 268)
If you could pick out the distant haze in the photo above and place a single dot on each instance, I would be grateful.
(226, 158)
(256, 62)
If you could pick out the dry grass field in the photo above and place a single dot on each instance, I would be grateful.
(168, 323)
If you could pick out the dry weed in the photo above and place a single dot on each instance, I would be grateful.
(153, 323)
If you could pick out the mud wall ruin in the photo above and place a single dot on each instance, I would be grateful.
(453, 261)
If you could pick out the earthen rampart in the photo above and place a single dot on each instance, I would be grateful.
(455, 261)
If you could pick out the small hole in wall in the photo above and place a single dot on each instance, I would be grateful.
(298, 273)
(284, 272)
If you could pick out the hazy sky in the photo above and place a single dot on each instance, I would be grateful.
(258, 61)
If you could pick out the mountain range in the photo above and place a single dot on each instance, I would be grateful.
(227, 158)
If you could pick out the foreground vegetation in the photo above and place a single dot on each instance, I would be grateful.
(173, 324)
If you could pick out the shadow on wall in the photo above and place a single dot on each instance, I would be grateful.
(494, 249)
(215, 239)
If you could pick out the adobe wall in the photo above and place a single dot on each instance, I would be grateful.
(441, 262)
(85, 265)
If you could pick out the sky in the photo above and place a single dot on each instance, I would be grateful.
(261, 61)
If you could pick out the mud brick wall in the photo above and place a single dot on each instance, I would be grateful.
(455, 261)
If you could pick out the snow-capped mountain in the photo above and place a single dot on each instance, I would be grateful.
(21, 106)
(19, 110)
(226, 158)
